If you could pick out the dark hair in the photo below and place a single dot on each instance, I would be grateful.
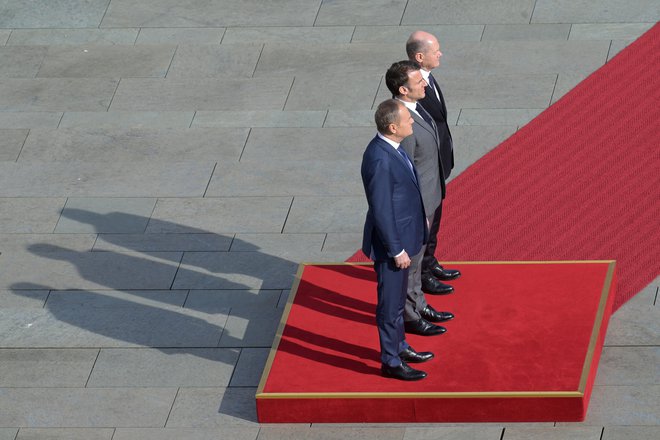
(387, 113)
(414, 47)
(397, 75)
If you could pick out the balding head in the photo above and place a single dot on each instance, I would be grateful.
(425, 49)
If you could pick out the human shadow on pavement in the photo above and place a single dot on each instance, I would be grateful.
(158, 290)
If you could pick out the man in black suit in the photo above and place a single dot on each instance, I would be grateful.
(395, 227)
(424, 48)
(407, 85)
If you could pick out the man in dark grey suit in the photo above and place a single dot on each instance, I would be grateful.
(407, 85)
(424, 48)
(395, 227)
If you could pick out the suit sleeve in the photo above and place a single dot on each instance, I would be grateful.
(379, 190)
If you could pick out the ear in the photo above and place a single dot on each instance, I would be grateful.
(419, 57)
(403, 91)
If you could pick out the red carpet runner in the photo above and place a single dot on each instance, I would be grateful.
(579, 182)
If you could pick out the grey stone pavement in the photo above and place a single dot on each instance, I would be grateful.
(166, 164)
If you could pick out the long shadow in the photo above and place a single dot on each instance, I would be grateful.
(127, 305)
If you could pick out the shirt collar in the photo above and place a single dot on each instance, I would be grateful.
(388, 140)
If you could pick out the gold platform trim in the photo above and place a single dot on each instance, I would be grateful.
(579, 393)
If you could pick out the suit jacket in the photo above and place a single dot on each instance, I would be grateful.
(395, 220)
(438, 110)
(423, 146)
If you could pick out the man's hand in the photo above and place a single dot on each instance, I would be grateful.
(402, 261)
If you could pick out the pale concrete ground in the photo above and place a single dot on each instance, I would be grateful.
(166, 164)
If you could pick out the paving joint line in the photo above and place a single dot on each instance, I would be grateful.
(263, 45)
(404, 12)
(287, 215)
(211, 176)
(224, 32)
(104, 12)
(317, 13)
(177, 270)
(327, 112)
(171, 407)
(244, 147)
(98, 353)
(288, 94)
(373, 103)
(171, 61)
(113, 95)
(554, 88)
(531, 16)
(483, 32)
(137, 36)
(353, 34)
(23, 145)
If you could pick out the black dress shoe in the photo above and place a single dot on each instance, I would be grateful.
(423, 327)
(432, 315)
(402, 372)
(435, 287)
(444, 274)
(412, 356)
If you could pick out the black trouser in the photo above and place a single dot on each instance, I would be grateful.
(429, 259)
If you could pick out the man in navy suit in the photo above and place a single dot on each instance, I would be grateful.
(395, 228)
(424, 49)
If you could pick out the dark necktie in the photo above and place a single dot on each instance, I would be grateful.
(403, 154)
(424, 114)
(432, 83)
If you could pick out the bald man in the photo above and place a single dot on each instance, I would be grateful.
(424, 48)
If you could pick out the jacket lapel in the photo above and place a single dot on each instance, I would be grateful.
(398, 157)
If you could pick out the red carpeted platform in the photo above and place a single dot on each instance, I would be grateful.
(579, 182)
(524, 346)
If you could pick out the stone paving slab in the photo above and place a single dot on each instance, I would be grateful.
(136, 94)
(527, 32)
(21, 61)
(249, 368)
(472, 142)
(630, 433)
(23, 299)
(474, 432)
(244, 433)
(11, 142)
(180, 36)
(565, 83)
(259, 118)
(286, 178)
(309, 144)
(23, 242)
(77, 179)
(320, 92)
(65, 434)
(46, 367)
(50, 37)
(127, 119)
(212, 301)
(282, 34)
(37, 215)
(234, 270)
(30, 119)
(212, 13)
(85, 407)
(341, 241)
(107, 61)
(274, 432)
(513, 116)
(59, 268)
(63, 299)
(327, 214)
(213, 408)
(52, 14)
(185, 367)
(564, 433)
(4, 37)
(522, 57)
(608, 31)
(208, 61)
(268, 243)
(309, 59)
(56, 94)
(623, 405)
(247, 327)
(629, 366)
(634, 325)
(219, 215)
(162, 242)
(379, 34)
(125, 324)
(474, 11)
(133, 144)
(107, 215)
(617, 46)
(585, 11)
(372, 12)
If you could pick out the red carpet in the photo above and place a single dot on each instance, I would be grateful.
(579, 182)
(519, 348)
